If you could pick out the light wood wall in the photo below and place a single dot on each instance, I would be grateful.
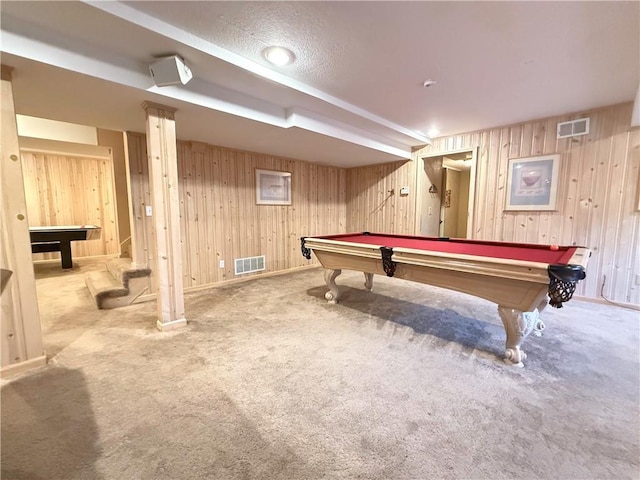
(374, 202)
(71, 190)
(597, 196)
(220, 219)
(115, 142)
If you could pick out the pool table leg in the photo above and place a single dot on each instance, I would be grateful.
(518, 325)
(368, 281)
(65, 253)
(330, 279)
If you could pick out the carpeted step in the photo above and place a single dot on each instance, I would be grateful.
(119, 285)
(117, 267)
(102, 284)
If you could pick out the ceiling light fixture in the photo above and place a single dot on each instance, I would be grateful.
(279, 56)
(428, 83)
(433, 132)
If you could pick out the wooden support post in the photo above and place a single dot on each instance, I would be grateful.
(163, 179)
(21, 332)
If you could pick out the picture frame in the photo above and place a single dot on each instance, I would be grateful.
(532, 183)
(273, 187)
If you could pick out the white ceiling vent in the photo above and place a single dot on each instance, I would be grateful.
(573, 128)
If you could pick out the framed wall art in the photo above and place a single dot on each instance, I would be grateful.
(532, 183)
(273, 188)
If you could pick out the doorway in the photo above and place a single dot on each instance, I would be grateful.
(445, 186)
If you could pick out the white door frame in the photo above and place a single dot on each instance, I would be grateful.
(472, 185)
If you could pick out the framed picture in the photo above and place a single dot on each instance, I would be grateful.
(532, 183)
(273, 188)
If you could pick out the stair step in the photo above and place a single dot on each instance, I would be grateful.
(102, 284)
(123, 270)
(117, 266)
(119, 285)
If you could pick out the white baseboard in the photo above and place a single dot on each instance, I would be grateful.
(167, 326)
(18, 368)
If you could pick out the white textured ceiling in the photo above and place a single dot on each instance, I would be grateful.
(354, 95)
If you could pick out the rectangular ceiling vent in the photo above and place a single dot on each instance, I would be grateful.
(249, 265)
(573, 128)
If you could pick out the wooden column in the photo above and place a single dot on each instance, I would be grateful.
(163, 179)
(21, 333)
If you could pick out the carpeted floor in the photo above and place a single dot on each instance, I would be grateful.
(268, 381)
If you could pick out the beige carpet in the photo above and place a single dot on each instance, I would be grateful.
(268, 381)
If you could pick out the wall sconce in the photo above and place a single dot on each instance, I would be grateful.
(433, 189)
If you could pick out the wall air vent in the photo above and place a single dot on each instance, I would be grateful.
(249, 265)
(573, 128)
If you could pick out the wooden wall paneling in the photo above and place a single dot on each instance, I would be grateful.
(481, 168)
(141, 226)
(630, 232)
(593, 224)
(298, 198)
(341, 201)
(597, 184)
(547, 226)
(313, 207)
(242, 241)
(247, 205)
(109, 211)
(208, 217)
(72, 190)
(199, 276)
(32, 178)
(185, 170)
(217, 181)
(235, 225)
(197, 239)
(290, 222)
(260, 238)
(114, 140)
(282, 238)
(516, 228)
(239, 219)
(228, 199)
(581, 169)
(616, 263)
(495, 154)
(484, 181)
(207, 212)
(197, 153)
(516, 135)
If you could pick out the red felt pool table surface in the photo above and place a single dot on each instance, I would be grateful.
(513, 251)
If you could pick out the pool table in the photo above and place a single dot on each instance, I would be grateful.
(58, 238)
(521, 278)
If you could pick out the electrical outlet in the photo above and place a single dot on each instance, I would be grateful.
(430, 211)
(221, 263)
(147, 210)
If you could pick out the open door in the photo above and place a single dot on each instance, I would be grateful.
(446, 194)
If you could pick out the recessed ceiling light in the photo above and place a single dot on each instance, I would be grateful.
(279, 56)
(428, 83)
(433, 132)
